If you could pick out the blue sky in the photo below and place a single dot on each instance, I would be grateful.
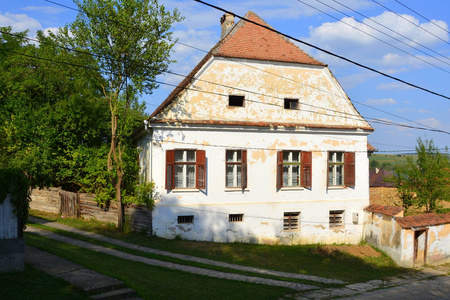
(417, 51)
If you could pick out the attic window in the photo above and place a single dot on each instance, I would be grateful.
(290, 103)
(235, 101)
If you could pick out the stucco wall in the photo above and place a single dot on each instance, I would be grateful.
(261, 203)
(384, 233)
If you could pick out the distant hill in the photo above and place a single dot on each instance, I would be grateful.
(388, 161)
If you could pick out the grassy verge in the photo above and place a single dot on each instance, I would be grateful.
(300, 259)
(152, 282)
(36, 285)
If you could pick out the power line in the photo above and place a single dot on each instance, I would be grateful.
(431, 21)
(385, 7)
(374, 37)
(327, 52)
(254, 67)
(390, 29)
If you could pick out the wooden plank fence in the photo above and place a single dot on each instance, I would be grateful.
(70, 204)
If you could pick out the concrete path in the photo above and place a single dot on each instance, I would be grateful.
(428, 284)
(182, 256)
(154, 262)
(99, 286)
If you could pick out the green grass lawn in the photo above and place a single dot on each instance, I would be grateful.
(33, 284)
(152, 282)
(300, 259)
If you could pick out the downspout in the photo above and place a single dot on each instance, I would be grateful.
(150, 131)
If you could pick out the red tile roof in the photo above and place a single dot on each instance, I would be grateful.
(248, 40)
(385, 210)
(431, 219)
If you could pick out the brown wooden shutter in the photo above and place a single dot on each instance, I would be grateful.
(170, 169)
(200, 162)
(279, 169)
(349, 169)
(306, 161)
(244, 168)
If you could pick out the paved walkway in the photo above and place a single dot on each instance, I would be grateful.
(394, 286)
(99, 286)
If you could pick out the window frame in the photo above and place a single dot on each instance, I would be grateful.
(242, 163)
(200, 169)
(348, 169)
(291, 217)
(305, 171)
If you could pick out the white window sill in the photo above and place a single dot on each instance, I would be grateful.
(336, 187)
(292, 188)
(185, 190)
(236, 189)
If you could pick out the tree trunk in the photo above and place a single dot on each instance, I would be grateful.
(119, 200)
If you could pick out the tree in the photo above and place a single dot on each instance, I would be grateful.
(130, 42)
(425, 181)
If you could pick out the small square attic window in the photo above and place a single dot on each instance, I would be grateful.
(235, 101)
(290, 103)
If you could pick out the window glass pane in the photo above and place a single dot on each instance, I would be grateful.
(179, 176)
(330, 156)
(190, 157)
(339, 175)
(296, 156)
(330, 175)
(339, 156)
(295, 176)
(286, 175)
(286, 155)
(190, 176)
(238, 176)
(230, 175)
(230, 155)
(179, 155)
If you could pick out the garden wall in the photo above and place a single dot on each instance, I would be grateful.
(48, 200)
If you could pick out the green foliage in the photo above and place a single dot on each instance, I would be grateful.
(143, 194)
(424, 182)
(16, 184)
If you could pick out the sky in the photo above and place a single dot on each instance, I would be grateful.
(407, 39)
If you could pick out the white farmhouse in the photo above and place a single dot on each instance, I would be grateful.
(258, 144)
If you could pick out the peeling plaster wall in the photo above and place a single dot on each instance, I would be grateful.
(438, 251)
(261, 203)
(384, 233)
(265, 85)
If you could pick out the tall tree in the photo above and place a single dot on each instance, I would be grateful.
(130, 41)
(425, 181)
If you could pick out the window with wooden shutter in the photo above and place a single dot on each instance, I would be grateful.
(349, 168)
(236, 168)
(201, 169)
(306, 163)
(279, 169)
(170, 174)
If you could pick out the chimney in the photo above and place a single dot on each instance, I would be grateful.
(226, 22)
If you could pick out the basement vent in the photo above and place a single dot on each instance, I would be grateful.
(236, 218)
(291, 220)
(336, 218)
(185, 219)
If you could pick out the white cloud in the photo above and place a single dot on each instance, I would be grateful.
(359, 44)
(44, 9)
(422, 111)
(385, 101)
(432, 122)
(405, 109)
(20, 22)
(394, 86)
